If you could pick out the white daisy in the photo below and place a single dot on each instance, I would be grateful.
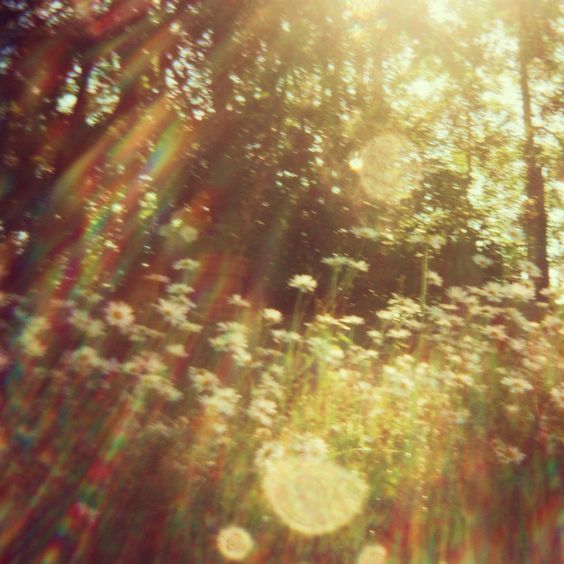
(119, 314)
(303, 283)
(238, 301)
(482, 261)
(186, 264)
(177, 349)
(271, 315)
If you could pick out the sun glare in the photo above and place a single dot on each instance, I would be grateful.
(363, 8)
(439, 10)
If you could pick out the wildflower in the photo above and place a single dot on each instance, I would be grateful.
(434, 279)
(186, 264)
(270, 386)
(145, 363)
(338, 261)
(507, 454)
(94, 329)
(360, 265)
(189, 327)
(303, 282)
(352, 320)
(86, 357)
(436, 241)
(268, 453)
(376, 336)
(158, 383)
(283, 336)
(159, 428)
(79, 319)
(496, 332)
(387, 315)
(557, 396)
(535, 364)
(494, 292)
(556, 294)
(169, 392)
(517, 385)
(238, 301)
(313, 496)
(242, 357)
(234, 543)
(365, 233)
(327, 319)
(399, 333)
(520, 291)
(372, 554)
(262, 410)
(29, 338)
(513, 233)
(119, 314)
(203, 379)
(457, 294)
(177, 349)
(271, 315)
(310, 446)
(34, 347)
(173, 310)
(530, 269)
(222, 400)
(232, 338)
(482, 261)
(175, 289)
(465, 379)
(362, 356)
(141, 332)
(325, 350)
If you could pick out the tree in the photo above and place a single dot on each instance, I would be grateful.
(529, 35)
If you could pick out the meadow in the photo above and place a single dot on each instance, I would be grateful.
(155, 431)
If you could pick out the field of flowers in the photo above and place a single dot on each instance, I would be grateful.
(152, 431)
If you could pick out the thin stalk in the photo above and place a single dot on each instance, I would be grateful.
(424, 282)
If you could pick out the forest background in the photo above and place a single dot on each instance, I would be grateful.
(119, 113)
(240, 233)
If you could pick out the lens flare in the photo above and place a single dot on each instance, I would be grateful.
(389, 168)
(313, 497)
(234, 543)
(372, 554)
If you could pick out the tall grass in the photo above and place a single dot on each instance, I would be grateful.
(424, 432)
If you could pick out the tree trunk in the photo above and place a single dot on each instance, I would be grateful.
(535, 219)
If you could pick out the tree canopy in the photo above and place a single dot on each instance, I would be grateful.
(304, 119)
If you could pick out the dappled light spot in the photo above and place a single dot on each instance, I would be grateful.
(389, 167)
(313, 497)
(234, 543)
(372, 554)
